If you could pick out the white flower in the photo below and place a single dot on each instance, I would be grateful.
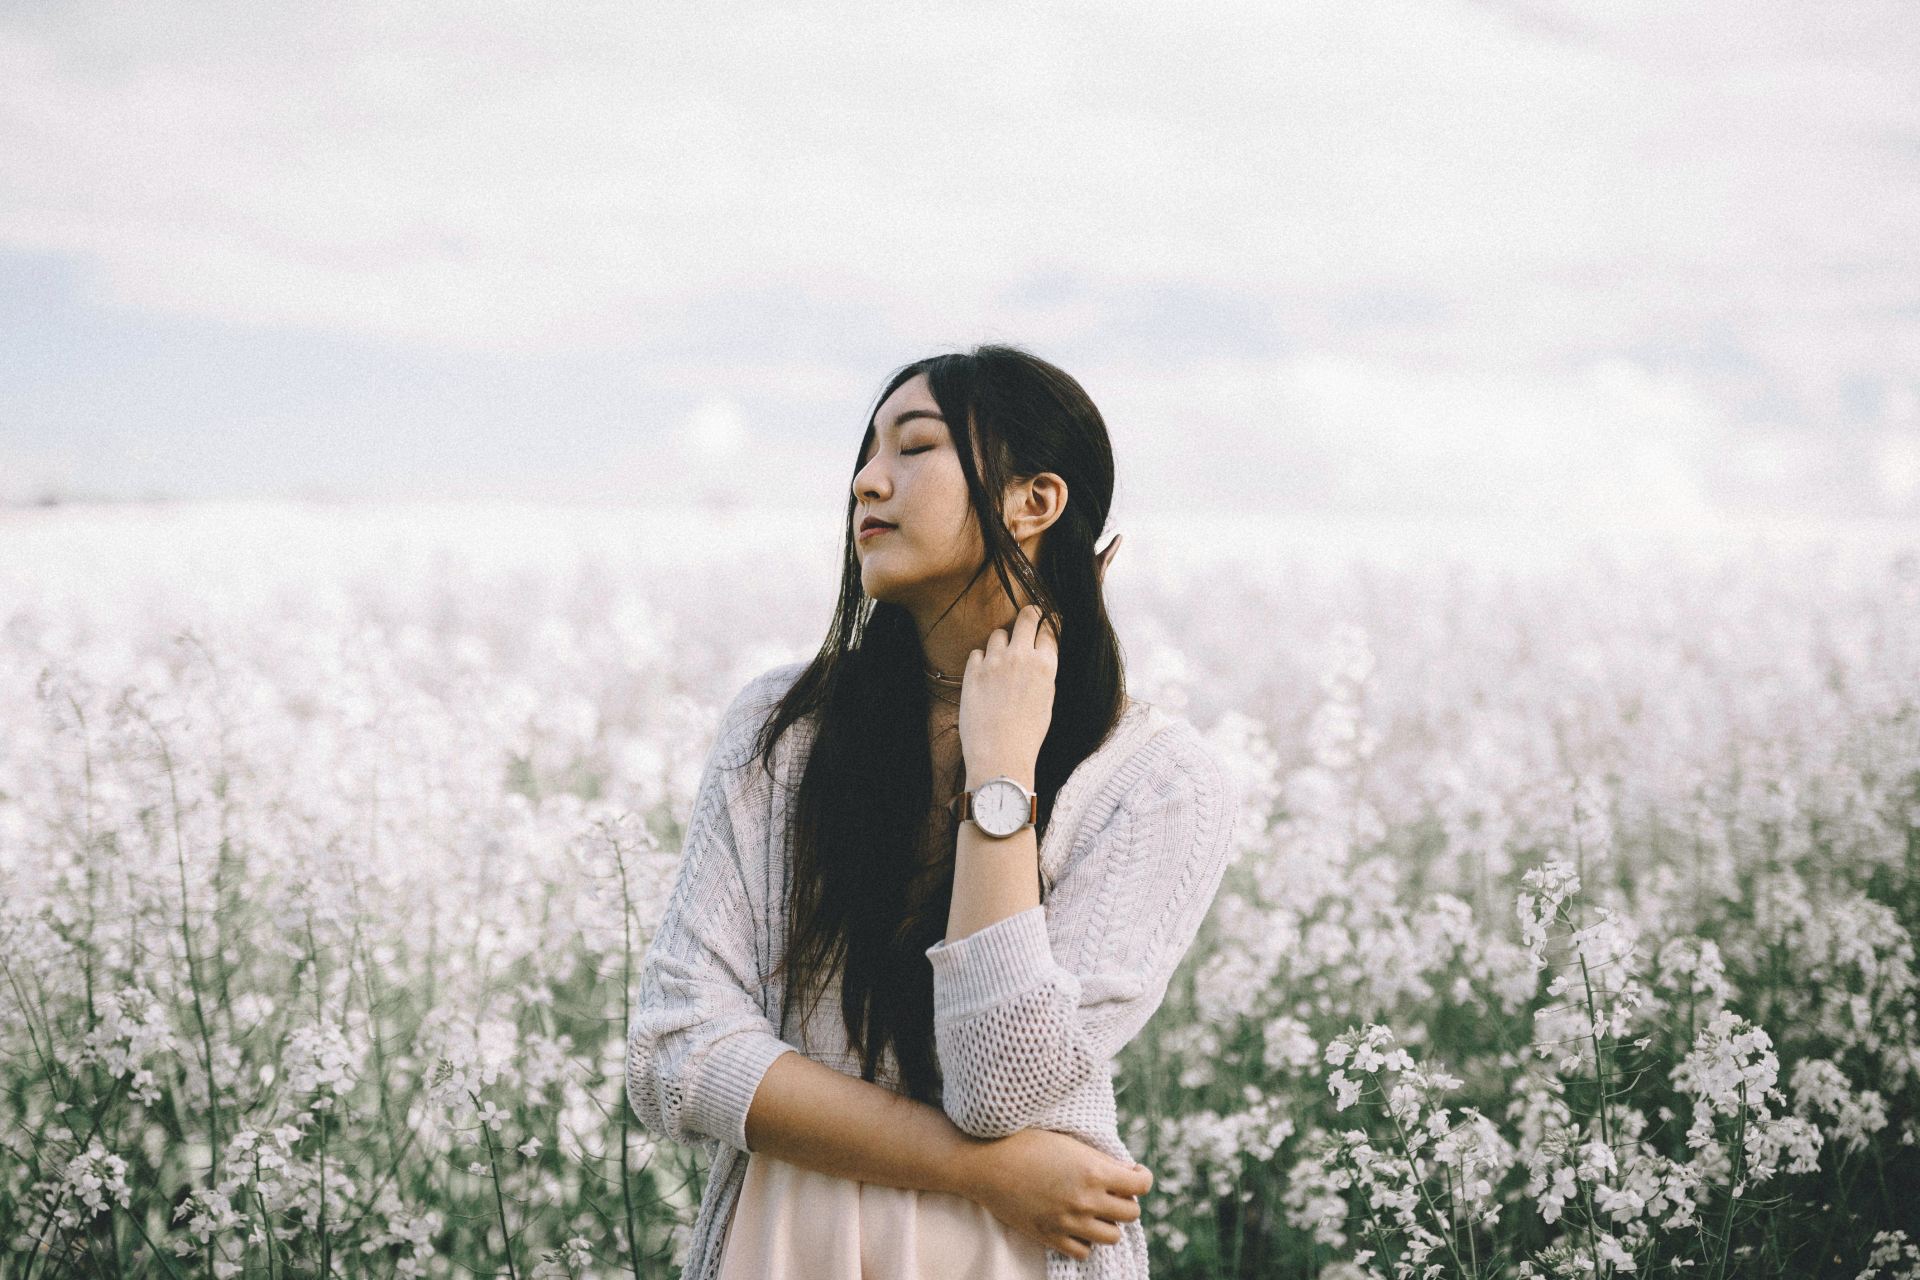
(319, 1059)
(1288, 1046)
(579, 1251)
(92, 1178)
(1551, 885)
(1819, 1088)
(1611, 1252)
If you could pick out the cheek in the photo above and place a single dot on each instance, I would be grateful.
(956, 517)
(952, 488)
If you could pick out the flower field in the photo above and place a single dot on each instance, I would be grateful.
(1571, 931)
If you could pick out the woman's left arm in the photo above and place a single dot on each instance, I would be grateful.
(1016, 1031)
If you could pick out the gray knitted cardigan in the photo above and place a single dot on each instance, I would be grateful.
(1028, 1011)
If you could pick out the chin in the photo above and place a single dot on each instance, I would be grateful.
(886, 588)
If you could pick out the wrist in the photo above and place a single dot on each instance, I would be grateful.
(967, 1170)
(978, 774)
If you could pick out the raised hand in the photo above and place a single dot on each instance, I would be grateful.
(1006, 699)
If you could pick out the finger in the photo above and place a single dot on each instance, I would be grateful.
(1025, 623)
(1119, 1209)
(1095, 1229)
(1047, 637)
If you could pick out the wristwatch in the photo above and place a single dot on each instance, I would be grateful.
(999, 807)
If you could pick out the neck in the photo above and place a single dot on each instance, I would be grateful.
(948, 658)
(961, 632)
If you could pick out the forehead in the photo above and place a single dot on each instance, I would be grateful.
(910, 401)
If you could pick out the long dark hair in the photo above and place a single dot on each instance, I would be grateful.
(864, 799)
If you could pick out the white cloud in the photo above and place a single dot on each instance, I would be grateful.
(28, 474)
(1607, 443)
(718, 459)
(1897, 466)
(1453, 219)
(715, 434)
(529, 177)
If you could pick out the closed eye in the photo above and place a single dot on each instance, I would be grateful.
(908, 453)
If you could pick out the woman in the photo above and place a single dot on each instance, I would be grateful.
(966, 836)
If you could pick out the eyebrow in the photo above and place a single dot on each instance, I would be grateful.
(910, 414)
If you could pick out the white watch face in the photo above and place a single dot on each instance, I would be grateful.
(1000, 807)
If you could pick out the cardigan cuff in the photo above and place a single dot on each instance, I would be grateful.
(730, 1075)
(1007, 958)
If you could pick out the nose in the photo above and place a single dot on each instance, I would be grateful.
(864, 487)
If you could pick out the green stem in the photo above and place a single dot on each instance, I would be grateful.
(193, 964)
(1420, 1185)
(1373, 1220)
(1599, 1061)
(499, 1200)
(1593, 1240)
(626, 1007)
(158, 1255)
(1733, 1198)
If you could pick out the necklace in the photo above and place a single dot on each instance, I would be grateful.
(948, 682)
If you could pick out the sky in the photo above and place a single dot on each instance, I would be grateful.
(1637, 261)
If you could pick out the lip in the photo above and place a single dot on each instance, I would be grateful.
(873, 530)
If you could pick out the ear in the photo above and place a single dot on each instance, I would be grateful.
(1034, 503)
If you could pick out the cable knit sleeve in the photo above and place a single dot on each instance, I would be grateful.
(699, 1043)
(1021, 1019)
